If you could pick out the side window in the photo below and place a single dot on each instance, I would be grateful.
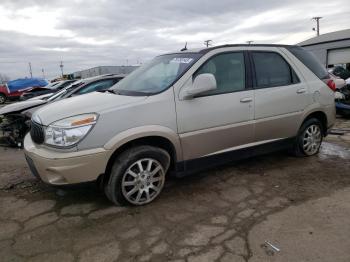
(229, 72)
(96, 86)
(272, 70)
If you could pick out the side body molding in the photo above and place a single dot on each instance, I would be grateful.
(144, 132)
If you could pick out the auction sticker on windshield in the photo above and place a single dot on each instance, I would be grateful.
(181, 60)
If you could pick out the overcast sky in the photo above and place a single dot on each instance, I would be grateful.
(88, 33)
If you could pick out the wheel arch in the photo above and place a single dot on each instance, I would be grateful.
(321, 116)
(165, 140)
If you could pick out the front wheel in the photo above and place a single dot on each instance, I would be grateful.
(137, 176)
(309, 138)
(2, 99)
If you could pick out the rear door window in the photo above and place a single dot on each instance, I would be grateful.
(310, 61)
(272, 70)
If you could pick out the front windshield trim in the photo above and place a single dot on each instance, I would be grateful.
(196, 57)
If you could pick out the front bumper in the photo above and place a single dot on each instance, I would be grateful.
(64, 168)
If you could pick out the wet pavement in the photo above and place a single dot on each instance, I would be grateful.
(225, 214)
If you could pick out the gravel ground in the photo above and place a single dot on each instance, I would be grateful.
(224, 214)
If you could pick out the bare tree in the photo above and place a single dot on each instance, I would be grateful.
(4, 78)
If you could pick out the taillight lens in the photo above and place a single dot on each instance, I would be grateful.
(331, 84)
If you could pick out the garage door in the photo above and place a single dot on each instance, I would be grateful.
(339, 56)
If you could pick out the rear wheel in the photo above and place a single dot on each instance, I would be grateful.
(137, 176)
(2, 99)
(309, 138)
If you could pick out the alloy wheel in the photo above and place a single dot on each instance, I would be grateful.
(143, 181)
(312, 139)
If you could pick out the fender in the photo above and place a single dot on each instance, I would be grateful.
(145, 131)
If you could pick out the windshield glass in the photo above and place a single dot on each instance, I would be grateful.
(64, 91)
(157, 75)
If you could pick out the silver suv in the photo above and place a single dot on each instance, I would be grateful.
(180, 113)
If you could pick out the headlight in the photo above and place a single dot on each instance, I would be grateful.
(69, 131)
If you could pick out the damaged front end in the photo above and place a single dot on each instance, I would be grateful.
(13, 128)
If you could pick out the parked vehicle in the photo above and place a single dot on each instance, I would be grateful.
(4, 93)
(49, 89)
(15, 88)
(340, 72)
(342, 101)
(14, 118)
(181, 113)
(339, 82)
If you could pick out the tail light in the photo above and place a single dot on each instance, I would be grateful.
(331, 84)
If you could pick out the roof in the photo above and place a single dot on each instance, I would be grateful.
(205, 50)
(326, 38)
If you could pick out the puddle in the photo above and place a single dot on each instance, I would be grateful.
(331, 150)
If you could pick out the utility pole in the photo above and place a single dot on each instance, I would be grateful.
(317, 19)
(61, 66)
(249, 42)
(30, 70)
(42, 70)
(208, 43)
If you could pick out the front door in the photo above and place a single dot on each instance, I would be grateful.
(219, 120)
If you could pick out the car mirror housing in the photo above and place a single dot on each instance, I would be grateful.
(202, 83)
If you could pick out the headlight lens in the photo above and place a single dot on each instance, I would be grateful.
(69, 131)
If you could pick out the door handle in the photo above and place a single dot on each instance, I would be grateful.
(246, 100)
(301, 91)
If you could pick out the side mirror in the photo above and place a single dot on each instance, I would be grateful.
(202, 83)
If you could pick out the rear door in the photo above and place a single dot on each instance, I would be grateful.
(280, 96)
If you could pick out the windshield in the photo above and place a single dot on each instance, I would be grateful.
(64, 91)
(157, 75)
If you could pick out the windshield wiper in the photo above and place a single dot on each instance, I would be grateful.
(107, 90)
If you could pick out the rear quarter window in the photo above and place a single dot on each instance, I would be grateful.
(310, 61)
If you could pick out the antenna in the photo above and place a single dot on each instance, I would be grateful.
(185, 48)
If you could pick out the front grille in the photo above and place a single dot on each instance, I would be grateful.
(37, 133)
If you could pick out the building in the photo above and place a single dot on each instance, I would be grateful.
(102, 70)
(331, 48)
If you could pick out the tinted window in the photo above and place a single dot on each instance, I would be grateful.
(272, 70)
(310, 61)
(97, 86)
(229, 72)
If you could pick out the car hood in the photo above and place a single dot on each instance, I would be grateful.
(96, 102)
(40, 97)
(20, 106)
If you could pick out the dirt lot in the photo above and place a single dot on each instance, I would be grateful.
(299, 205)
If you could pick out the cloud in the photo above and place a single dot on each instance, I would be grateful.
(87, 33)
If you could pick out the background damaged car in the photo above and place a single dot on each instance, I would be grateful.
(15, 118)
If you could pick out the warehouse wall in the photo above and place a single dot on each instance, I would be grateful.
(101, 70)
(321, 50)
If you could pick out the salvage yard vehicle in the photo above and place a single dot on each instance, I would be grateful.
(181, 113)
(15, 88)
(15, 118)
(49, 89)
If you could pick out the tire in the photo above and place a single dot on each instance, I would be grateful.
(309, 138)
(132, 180)
(2, 99)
